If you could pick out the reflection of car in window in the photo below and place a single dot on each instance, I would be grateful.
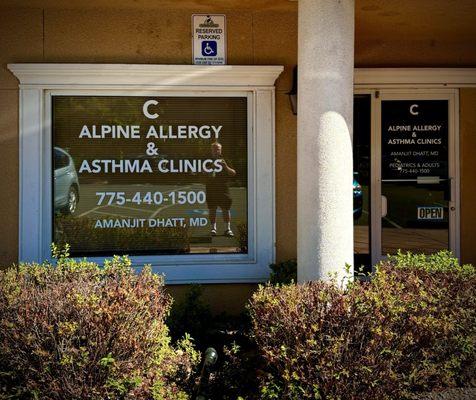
(66, 186)
(357, 189)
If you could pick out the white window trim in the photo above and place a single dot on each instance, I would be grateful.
(39, 81)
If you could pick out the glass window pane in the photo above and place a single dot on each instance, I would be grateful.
(415, 181)
(417, 218)
(361, 184)
(151, 175)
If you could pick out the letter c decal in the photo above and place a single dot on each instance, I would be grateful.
(412, 109)
(145, 109)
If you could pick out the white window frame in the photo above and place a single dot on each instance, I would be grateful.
(38, 82)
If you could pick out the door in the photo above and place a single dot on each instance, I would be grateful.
(362, 180)
(414, 173)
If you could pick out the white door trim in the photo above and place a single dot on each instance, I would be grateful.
(380, 78)
(451, 95)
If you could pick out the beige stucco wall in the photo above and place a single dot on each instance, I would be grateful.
(468, 174)
(135, 36)
(259, 36)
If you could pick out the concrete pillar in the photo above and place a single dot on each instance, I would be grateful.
(325, 106)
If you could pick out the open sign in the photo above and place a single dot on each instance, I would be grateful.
(430, 213)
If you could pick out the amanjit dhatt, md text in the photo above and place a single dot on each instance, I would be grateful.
(178, 222)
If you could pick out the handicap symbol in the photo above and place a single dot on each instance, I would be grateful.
(209, 48)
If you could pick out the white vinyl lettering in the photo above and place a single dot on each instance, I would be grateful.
(145, 109)
(412, 109)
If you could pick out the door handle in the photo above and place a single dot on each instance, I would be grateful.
(384, 206)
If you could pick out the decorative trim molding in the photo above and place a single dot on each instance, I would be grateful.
(385, 77)
(43, 75)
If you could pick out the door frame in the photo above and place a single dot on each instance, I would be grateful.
(450, 95)
(371, 80)
(411, 93)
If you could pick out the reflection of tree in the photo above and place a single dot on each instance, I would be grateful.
(83, 238)
(242, 237)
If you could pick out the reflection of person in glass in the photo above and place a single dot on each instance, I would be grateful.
(218, 192)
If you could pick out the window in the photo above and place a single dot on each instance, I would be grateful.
(151, 174)
(135, 159)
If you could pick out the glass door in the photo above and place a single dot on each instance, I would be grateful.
(362, 180)
(415, 173)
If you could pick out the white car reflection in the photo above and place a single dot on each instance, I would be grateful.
(66, 189)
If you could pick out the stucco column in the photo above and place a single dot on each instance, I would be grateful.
(325, 104)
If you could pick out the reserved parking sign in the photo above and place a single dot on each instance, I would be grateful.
(209, 39)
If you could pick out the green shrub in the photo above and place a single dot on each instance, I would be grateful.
(236, 376)
(192, 316)
(80, 331)
(235, 372)
(283, 272)
(412, 328)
